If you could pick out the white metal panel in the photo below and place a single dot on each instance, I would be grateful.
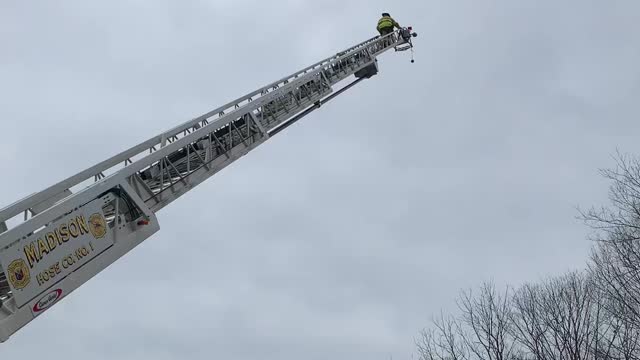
(40, 260)
(128, 239)
(36, 209)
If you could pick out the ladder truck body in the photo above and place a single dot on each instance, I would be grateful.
(55, 240)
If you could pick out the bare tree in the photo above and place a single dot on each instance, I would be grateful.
(628, 345)
(619, 331)
(488, 326)
(569, 316)
(577, 316)
(562, 318)
(529, 327)
(616, 259)
(618, 338)
(616, 267)
(442, 342)
(606, 329)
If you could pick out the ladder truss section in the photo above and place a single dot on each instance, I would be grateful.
(263, 109)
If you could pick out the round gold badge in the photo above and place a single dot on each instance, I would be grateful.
(19, 274)
(97, 225)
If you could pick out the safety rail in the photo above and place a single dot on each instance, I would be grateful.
(56, 193)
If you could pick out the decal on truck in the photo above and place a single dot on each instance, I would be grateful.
(47, 301)
(97, 226)
(39, 249)
(19, 275)
(44, 258)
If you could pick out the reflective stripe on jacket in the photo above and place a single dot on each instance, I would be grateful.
(387, 22)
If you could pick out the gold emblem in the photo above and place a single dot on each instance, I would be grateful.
(97, 225)
(19, 274)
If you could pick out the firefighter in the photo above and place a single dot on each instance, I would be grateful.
(386, 24)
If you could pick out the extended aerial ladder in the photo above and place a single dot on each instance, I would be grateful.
(55, 240)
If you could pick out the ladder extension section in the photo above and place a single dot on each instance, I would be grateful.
(55, 240)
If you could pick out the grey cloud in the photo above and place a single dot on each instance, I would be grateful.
(341, 236)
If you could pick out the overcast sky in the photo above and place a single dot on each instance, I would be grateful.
(341, 237)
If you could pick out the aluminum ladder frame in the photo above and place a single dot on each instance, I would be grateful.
(156, 172)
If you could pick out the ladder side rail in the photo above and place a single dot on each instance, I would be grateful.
(76, 199)
(33, 200)
(250, 132)
(191, 178)
(89, 193)
(217, 164)
(114, 179)
(232, 104)
(196, 121)
(246, 117)
(283, 90)
(30, 201)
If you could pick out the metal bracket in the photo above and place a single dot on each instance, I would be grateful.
(258, 124)
(136, 199)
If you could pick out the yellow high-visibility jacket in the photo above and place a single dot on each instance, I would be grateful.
(387, 22)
